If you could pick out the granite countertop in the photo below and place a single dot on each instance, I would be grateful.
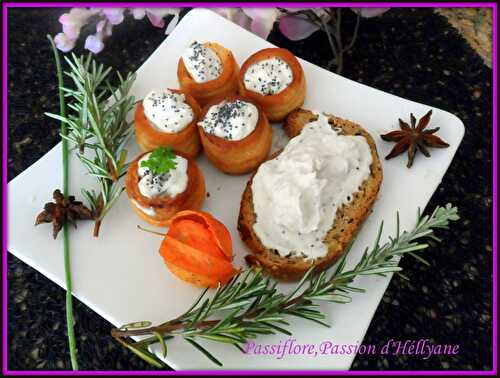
(412, 53)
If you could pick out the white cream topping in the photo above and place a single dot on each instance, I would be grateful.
(231, 120)
(167, 111)
(146, 210)
(202, 63)
(268, 77)
(297, 194)
(167, 184)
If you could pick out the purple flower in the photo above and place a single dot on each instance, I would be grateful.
(235, 15)
(94, 43)
(64, 43)
(105, 28)
(257, 20)
(370, 12)
(114, 15)
(138, 13)
(263, 20)
(297, 27)
(73, 21)
(156, 17)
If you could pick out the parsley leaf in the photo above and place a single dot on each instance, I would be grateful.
(160, 161)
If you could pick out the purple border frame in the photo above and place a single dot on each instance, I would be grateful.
(5, 370)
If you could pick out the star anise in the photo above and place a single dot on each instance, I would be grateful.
(65, 209)
(412, 137)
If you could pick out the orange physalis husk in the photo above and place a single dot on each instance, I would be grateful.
(198, 249)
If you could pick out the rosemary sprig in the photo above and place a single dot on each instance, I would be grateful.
(251, 305)
(98, 128)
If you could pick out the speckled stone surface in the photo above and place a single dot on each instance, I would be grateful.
(415, 54)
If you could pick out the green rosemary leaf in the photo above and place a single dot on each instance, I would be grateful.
(278, 319)
(224, 321)
(411, 248)
(341, 264)
(300, 284)
(203, 350)
(240, 348)
(92, 165)
(354, 289)
(382, 270)
(379, 234)
(336, 298)
(397, 225)
(195, 303)
(277, 328)
(235, 329)
(257, 329)
(419, 258)
(151, 340)
(137, 325)
(324, 324)
(435, 238)
(220, 338)
(163, 344)
(146, 356)
(109, 203)
(161, 160)
(235, 336)
(237, 304)
(200, 311)
(318, 281)
(310, 312)
(403, 276)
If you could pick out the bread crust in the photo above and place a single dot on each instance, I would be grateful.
(237, 157)
(186, 141)
(277, 106)
(225, 85)
(166, 207)
(348, 220)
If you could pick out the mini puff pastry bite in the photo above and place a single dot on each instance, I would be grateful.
(168, 118)
(208, 71)
(235, 134)
(274, 79)
(157, 197)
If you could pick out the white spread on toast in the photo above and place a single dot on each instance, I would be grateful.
(231, 120)
(202, 63)
(167, 111)
(296, 195)
(268, 77)
(167, 184)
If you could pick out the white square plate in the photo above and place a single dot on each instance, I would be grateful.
(121, 275)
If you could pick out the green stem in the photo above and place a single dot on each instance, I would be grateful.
(67, 261)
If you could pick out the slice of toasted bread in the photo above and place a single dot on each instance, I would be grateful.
(348, 220)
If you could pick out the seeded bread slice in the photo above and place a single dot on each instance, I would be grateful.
(348, 220)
